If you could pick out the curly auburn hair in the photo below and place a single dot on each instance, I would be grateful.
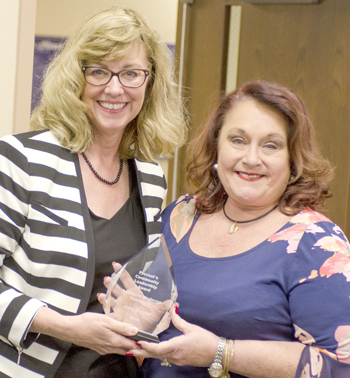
(161, 125)
(310, 172)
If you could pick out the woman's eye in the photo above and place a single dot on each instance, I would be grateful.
(237, 141)
(130, 74)
(271, 146)
(98, 72)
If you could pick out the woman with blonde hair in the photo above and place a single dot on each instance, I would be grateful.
(81, 190)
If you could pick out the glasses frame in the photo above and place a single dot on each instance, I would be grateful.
(146, 72)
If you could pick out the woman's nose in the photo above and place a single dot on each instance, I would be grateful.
(252, 156)
(114, 87)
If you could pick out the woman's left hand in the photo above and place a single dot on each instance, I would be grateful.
(195, 347)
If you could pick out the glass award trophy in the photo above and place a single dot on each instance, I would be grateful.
(143, 291)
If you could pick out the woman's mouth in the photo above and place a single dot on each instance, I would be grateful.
(110, 106)
(249, 176)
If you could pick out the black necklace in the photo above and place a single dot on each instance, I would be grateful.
(101, 178)
(234, 226)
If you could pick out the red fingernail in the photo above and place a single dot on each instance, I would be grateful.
(138, 344)
(129, 354)
(176, 310)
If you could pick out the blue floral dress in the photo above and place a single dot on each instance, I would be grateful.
(294, 286)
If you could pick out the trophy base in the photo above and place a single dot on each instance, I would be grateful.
(145, 336)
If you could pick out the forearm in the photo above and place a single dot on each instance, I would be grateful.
(51, 323)
(265, 359)
(91, 330)
(19, 311)
(251, 358)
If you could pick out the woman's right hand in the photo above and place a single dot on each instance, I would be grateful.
(196, 346)
(95, 331)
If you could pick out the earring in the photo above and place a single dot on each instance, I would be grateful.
(215, 166)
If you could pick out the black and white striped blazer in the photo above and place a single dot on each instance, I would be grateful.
(46, 244)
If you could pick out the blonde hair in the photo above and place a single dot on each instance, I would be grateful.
(159, 128)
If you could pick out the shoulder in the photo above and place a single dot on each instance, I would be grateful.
(309, 229)
(313, 222)
(35, 151)
(150, 175)
(43, 140)
(184, 205)
(149, 168)
(180, 216)
(44, 135)
(309, 216)
(308, 221)
(14, 148)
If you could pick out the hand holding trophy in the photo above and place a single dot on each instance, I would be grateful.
(143, 291)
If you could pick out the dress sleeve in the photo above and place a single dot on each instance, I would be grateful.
(315, 364)
(17, 310)
(319, 299)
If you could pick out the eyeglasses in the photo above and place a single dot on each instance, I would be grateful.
(127, 78)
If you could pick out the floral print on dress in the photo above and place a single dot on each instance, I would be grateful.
(181, 218)
(303, 336)
(313, 369)
(338, 263)
(342, 335)
(303, 222)
(307, 339)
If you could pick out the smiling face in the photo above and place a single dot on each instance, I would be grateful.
(112, 106)
(253, 157)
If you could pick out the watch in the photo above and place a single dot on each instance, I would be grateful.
(216, 370)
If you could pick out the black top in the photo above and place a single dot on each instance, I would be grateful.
(116, 239)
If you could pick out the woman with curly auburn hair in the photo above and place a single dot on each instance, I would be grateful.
(263, 279)
(81, 190)
(310, 172)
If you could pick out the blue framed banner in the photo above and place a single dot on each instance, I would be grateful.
(44, 51)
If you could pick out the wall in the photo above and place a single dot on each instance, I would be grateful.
(56, 17)
(17, 21)
(8, 43)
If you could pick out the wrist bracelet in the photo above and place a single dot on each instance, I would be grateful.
(227, 358)
(225, 373)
